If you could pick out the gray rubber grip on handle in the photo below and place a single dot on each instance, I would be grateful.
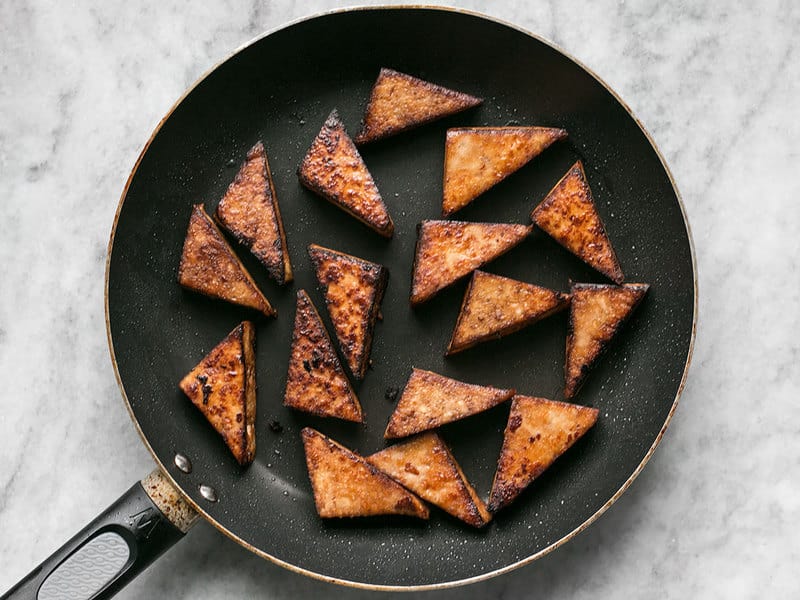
(88, 570)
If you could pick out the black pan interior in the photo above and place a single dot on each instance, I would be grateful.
(279, 90)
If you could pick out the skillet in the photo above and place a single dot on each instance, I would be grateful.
(279, 89)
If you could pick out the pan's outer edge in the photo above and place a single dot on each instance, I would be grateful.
(430, 586)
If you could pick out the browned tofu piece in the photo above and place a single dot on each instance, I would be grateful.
(353, 289)
(496, 306)
(346, 485)
(316, 383)
(425, 465)
(537, 433)
(249, 211)
(568, 215)
(209, 266)
(596, 314)
(478, 158)
(430, 400)
(448, 250)
(223, 387)
(399, 102)
(334, 169)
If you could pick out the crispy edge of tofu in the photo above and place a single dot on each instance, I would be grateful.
(288, 272)
(249, 359)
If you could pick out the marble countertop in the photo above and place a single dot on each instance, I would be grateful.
(714, 514)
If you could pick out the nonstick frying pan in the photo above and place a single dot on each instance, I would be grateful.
(279, 89)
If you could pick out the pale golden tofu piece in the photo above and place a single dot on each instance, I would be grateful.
(399, 102)
(496, 306)
(449, 250)
(425, 465)
(537, 433)
(249, 211)
(334, 169)
(568, 215)
(209, 266)
(478, 158)
(596, 313)
(316, 382)
(430, 400)
(346, 485)
(353, 289)
(223, 387)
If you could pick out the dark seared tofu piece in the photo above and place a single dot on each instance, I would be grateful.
(537, 433)
(334, 169)
(223, 387)
(346, 485)
(316, 382)
(399, 102)
(353, 289)
(250, 212)
(596, 314)
(478, 158)
(449, 250)
(430, 400)
(568, 215)
(496, 306)
(209, 266)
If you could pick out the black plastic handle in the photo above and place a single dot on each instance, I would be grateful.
(105, 555)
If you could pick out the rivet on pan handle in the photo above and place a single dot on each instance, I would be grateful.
(114, 548)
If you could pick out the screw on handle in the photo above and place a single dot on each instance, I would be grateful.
(115, 547)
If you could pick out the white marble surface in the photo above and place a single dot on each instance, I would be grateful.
(714, 514)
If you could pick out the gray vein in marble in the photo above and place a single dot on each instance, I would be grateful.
(15, 468)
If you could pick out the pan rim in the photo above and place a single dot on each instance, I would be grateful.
(424, 586)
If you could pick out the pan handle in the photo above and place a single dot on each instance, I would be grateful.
(114, 548)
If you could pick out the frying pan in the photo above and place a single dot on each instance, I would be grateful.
(279, 89)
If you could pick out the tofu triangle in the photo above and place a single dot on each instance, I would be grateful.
(496, 306)
(399, 102)
(568, 214)
(249, 211)
(430, 400)
(315, 382)
(346, 485)
(537, 433)
(223, 387)
(425, 465)
(210, 266)
(353, 289)
(478, 158)
(334, 169)
(448, 250)
(596, 314)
